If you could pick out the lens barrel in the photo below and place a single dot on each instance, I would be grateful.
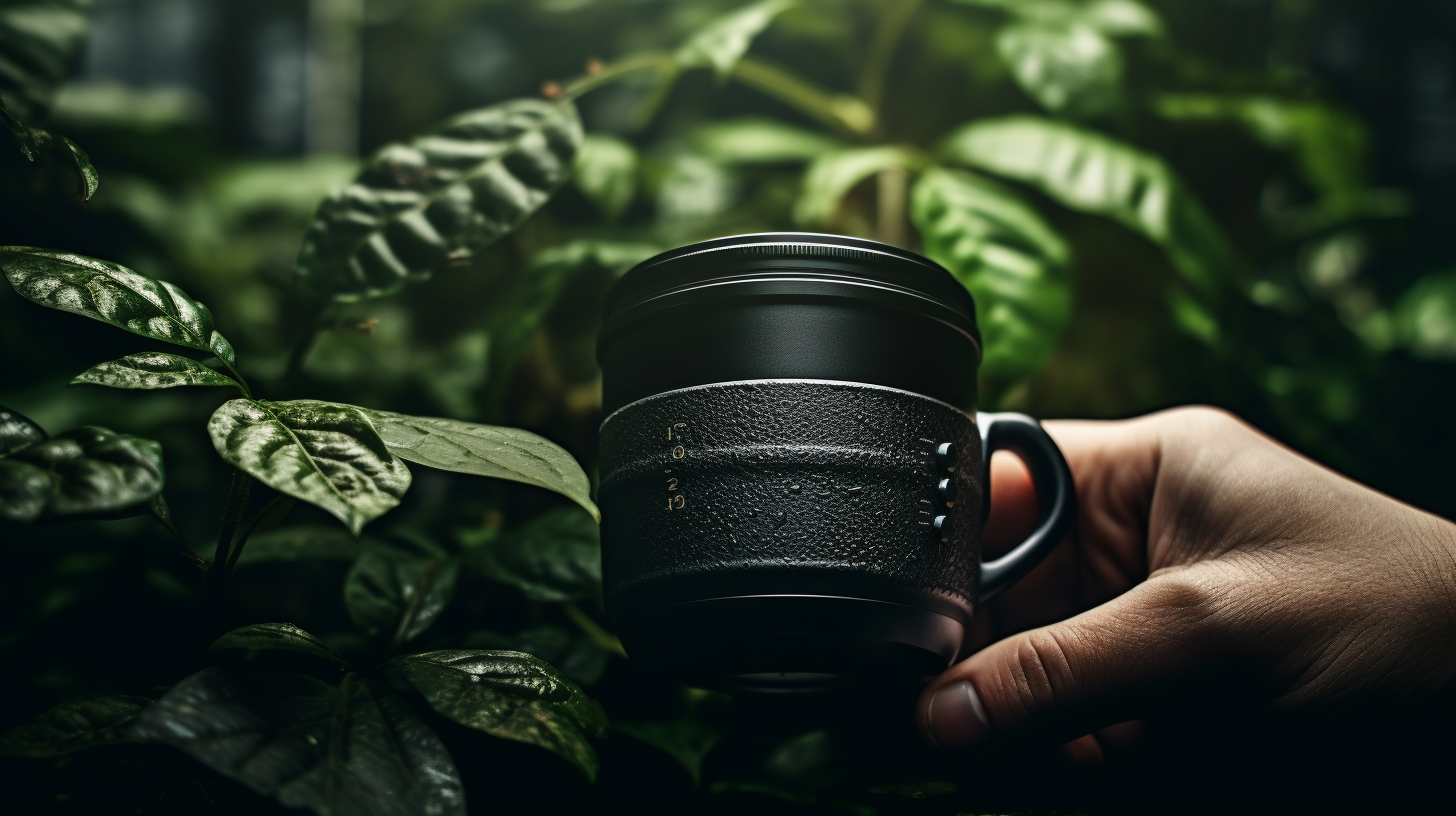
(783, 499)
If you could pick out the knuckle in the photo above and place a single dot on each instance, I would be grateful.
(1040, 674)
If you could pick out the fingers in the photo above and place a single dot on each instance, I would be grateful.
(1062, 681)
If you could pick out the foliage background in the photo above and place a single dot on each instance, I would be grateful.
(1317, 137)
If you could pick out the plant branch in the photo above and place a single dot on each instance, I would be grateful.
(167, 525)
(239, 490)
(842, 112)
(272, 514)
(242, 383)
(888, 33)
(593, 630)
(614, 71)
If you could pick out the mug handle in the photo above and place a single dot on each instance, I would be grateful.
(1056, 495)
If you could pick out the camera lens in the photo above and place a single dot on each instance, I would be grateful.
(781, 500)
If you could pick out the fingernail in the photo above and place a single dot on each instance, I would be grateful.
(955, 718)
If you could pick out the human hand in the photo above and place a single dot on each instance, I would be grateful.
(1205, 556)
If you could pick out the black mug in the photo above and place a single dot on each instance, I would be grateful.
(793, 475)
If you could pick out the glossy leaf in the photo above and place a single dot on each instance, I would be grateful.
(1425, 317)
(279, 636)
(606, 172)
(758, 140)
(301, 543)
(723, 41)
(395, 593)
(85, 471)
(576, 655)
(17, 431)
(511, 695)
(114, 294)
(831, 176)
(1092, 173)
(152, 370)
(485, 450)
(73, 726)
(40, 41)
(687, 741)
(1015, 266)
(1064, 67)
(323, 453)
(417, 208)
(555, 556)
(1329, 145)
(351, 750)
(86, 176)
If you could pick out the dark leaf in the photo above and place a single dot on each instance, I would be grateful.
(72, 726)
(300, 543)
(606, 172)
(323, 453)
(152, 369)
(284, 636)
(687, 741)
(578, 656)
(351, 750)
(26, 140)
(555, 556)
(17, 431)
(39, 43)
(436, 201)
(395, 593)
(724, 40)
(1014, 265)
(511, 695)
(112, 293)
(88, 470)
(484, 450)
(832, 175)
(87, 179)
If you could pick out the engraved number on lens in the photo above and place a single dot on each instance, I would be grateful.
(676, 502)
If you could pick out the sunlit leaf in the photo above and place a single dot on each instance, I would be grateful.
(114, 294)
(279, 636)
(72, 726)
(687, 741)
(17, 431)
(1425, 317)
(351, 750)
(511, 695)
(395, 593)
(1014, 265)
(555, 556)
(723, 41)
(606, 172)
(1329, 145)
(39, 43)
(759, 140)
(1064, 67)
(831, 176)
(1096, 174)
(1113, 17)
(152, 370)
(301, 543)
(88, 470)
(419, 207)
(484, 450)
(326, 454)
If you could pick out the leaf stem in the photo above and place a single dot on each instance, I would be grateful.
(593, 630)
(615, 71)
(177, 534)
(271, 514)
(238, 377)
(842, 112)
(888, 34)
(239, 489)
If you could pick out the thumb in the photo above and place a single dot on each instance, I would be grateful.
(1104, 666)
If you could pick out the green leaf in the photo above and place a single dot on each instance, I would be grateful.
(578, 656)
(419, 207)
(1092, 173)
(1015, 266)
(17, 431)
(152, 369)
(300, 543)
(606, 172)
(326, 454)
(26, 140)
(555, 557)
(351, 750)
(1065, 67)
(484, 450)
(687, 741)
(113, 294)
(72, 726)
(39, 43)
(282, 636)
(758, 140)
(724, 40)
(395, 593)
(1330, 146)
(831, 176)
(1112, 17)
(1425, 317)
(87, 179)
(511, 695)
(88, 470)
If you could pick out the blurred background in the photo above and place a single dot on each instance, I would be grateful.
(1306, 279)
